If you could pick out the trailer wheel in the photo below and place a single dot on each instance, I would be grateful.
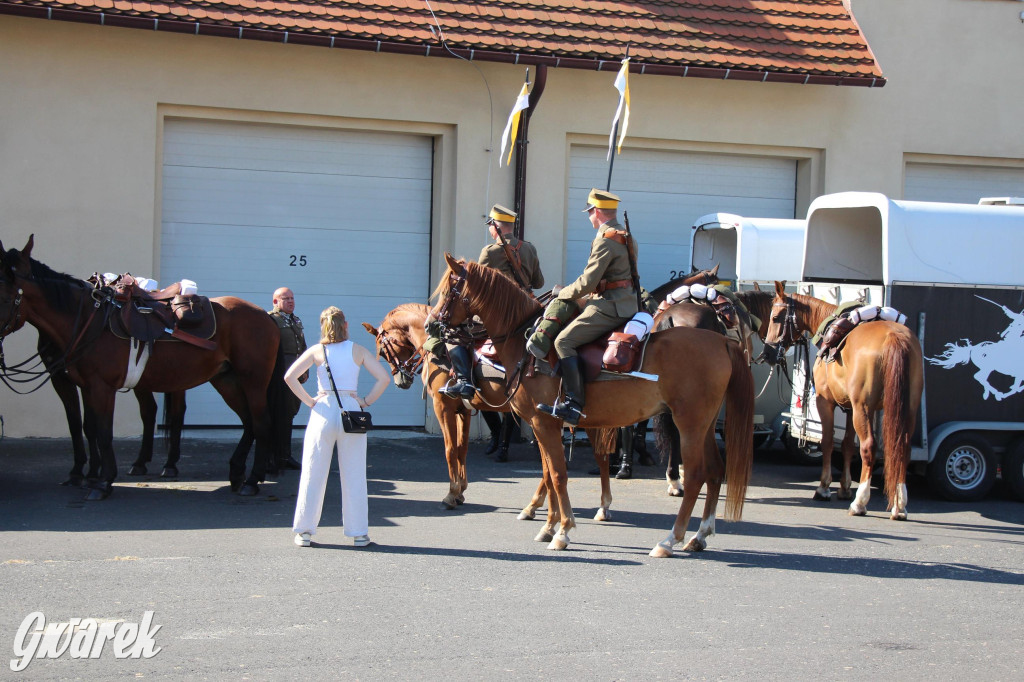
(1013, 470)
(964, 468)
(808, 455)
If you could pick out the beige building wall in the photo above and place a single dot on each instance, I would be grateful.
(82, 110)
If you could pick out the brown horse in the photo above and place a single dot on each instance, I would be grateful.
(400, 340)
(73, 314)
(879, 367)
(696, 370)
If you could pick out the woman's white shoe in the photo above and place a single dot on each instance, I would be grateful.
(302, 539)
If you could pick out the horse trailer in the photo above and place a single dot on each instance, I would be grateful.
(752, 252)
(952, 270)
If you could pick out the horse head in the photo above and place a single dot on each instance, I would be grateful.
(13, 264)
(452, 307)
(782, 328)
(398, 350)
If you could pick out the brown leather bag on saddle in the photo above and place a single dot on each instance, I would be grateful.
(620, 355)
(833, 338)
(149, 315)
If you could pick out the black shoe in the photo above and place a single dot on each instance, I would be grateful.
(462, 364)
(626, 470)
(502, 454)
(492, 447)
(459, 390)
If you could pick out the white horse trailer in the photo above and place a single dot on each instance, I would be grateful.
(954, 271)
(749, 252)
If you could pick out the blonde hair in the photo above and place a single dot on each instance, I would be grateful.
(332, 326)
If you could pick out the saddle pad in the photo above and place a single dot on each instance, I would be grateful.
(544, 367)
(154, 329)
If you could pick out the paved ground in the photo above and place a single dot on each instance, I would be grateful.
(796, 590)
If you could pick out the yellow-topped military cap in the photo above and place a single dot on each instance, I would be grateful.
(601, 199)
(502, 214)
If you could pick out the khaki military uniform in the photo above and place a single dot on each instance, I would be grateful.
(493, 256)
(608, 262)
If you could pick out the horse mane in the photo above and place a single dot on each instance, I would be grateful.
(399, 317)
(495, 290)
(817, 309)
(759, 303)
(58, 288)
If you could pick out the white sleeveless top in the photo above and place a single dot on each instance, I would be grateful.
(343, 367)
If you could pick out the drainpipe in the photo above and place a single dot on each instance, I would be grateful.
(521, 142)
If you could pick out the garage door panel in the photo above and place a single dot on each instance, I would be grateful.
(340, 217)
(962, 184)
(664, 192)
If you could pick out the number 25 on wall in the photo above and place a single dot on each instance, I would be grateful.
(297, 261)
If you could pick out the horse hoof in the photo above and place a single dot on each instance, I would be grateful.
(603, 515)
(169, 472)
(544, 536)
(898, 516)
(845, 495)
(460, 500)
(675, 492)
(821, 497)
(856, 511)
(447, 504)
(526, 516)
(559, 542)
(695, 545)
(662, 550)
(249, 490)
(97, 494)
(137, 470)
(74, 482)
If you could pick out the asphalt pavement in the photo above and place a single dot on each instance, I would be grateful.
(796, 590)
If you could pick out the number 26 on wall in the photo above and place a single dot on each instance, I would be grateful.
(297, 261)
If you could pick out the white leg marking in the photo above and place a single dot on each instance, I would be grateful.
(859, 506)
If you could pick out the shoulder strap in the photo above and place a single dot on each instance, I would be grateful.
(330, 376)
(514, 260)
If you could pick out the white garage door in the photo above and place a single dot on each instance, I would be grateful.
(960, 184)
(340, 217)
(665, 191)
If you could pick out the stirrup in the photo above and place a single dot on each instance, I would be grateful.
(459, 389)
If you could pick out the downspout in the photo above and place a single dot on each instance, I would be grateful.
(521, 141)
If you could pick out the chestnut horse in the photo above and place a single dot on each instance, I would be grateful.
(879, 367)
(65, 310)
(696, 370)
(400, 340)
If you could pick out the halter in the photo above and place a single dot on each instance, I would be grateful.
(12, 323)
(408, 368)
(790, 331)
(444, 313)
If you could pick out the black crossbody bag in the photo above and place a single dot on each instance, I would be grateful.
(351, 421)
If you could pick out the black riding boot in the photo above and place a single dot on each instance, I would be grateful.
(462, 365)
(507, 423)
(570, 409)
(494, 423)
(626, 467)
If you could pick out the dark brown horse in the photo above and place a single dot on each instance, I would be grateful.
(400, 340)
(65, 310)
(879, 367)
(696, 370)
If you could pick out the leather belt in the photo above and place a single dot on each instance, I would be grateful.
(604, 285)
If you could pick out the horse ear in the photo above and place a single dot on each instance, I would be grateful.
(714, 270)
(26, 253)
(780, 287)
(453, 262)
(370, 328)
(757, 287)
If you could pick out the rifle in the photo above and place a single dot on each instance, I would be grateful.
(514, 261)
(634, 275)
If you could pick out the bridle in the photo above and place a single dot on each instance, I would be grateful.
(389, 349)
(790, 333)
(12, 323)
(455, 292)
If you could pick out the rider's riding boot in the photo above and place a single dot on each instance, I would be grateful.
(494, 423)
(570, 409)
(502, 455)
(640, 445)
(626, 467)
(463, 367)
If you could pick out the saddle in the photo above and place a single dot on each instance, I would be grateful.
(149, 316)
(834, 330)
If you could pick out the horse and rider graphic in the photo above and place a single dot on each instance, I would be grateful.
(1005, 356)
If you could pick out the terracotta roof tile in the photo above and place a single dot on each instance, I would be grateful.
(810, 37)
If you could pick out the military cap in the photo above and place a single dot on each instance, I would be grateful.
(601, 199)
(501, 214)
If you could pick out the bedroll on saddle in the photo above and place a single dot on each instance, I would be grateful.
(557, 315)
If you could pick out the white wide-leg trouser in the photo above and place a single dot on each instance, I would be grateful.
(322, 433)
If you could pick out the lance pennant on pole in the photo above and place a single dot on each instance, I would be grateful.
(622, 85)
(522, 102)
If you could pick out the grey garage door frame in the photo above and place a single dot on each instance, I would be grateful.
(340, 216)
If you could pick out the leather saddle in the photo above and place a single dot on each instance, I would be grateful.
(593, 354)
(160, 315)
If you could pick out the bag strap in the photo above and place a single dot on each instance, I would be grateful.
(330, 376)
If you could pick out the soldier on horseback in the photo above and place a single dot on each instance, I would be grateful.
(515, 257)
(607, 280)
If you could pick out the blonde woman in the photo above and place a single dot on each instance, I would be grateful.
(324, 429)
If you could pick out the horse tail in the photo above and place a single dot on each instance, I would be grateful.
(665, 434)
(896, 354)
(739, 431)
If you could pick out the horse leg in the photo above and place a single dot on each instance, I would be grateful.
(147, 412)
(229, 389)
(826, 411)
(848, 447)
(100, 402)
(692, 452)
(446, 416)
(175, 403)
(601, 440)
(715, 473)
(667, 438)
(68, 394)
(89, 429)
(862, 422)
(461, 483)
(549, 437)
